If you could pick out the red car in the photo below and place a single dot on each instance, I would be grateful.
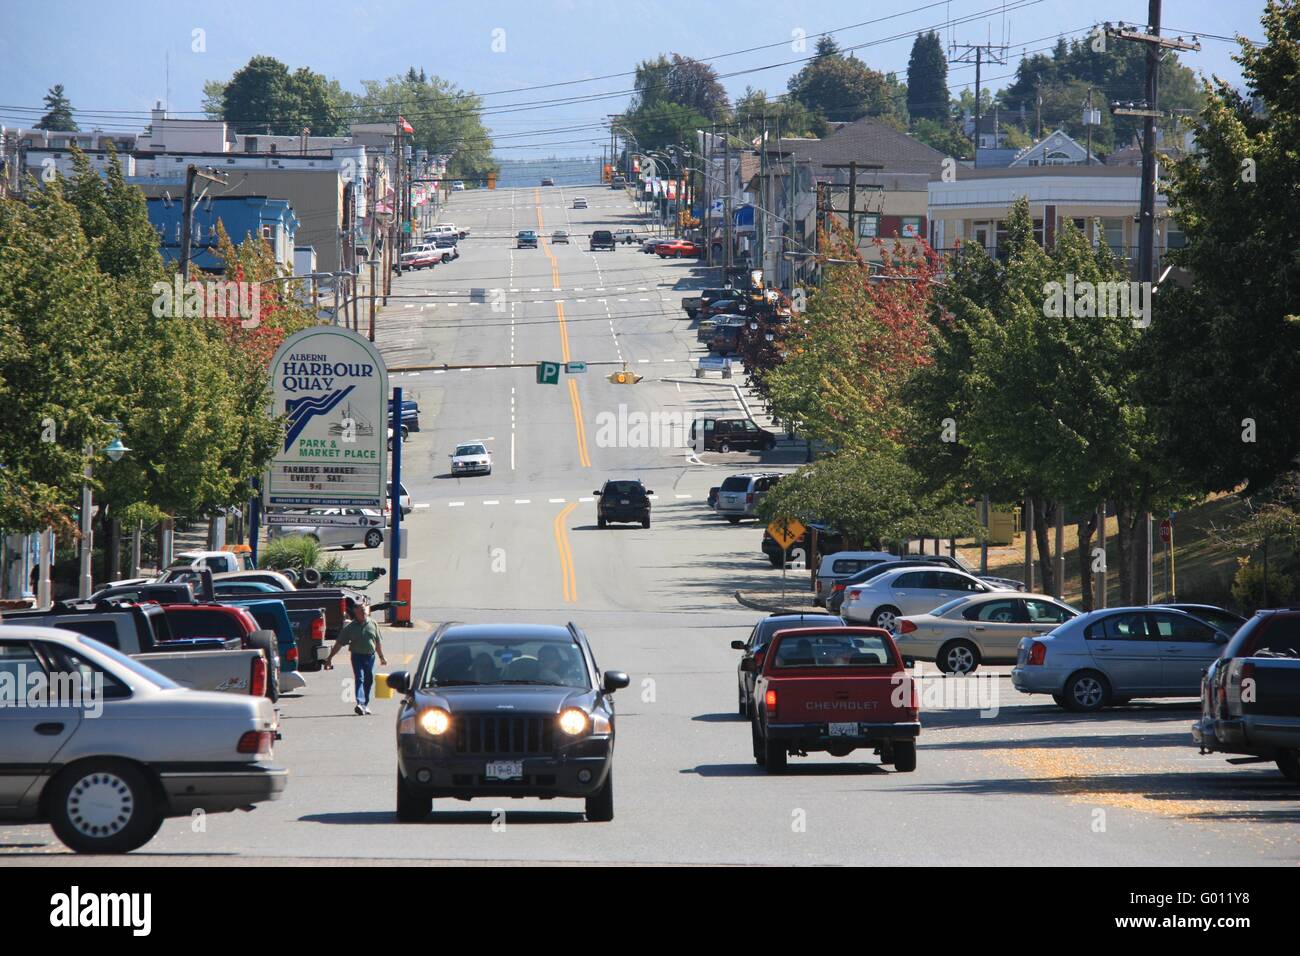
(676, 248)
(833, 690)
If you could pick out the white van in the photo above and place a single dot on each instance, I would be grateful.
(843, 564)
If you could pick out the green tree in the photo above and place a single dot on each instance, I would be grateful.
(1225, 349)
(927, 79)
(755, 112)
(264, 97)
(943, 136)
(843, 88)
(58, 112)
(446, 119)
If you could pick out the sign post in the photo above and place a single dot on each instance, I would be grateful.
(395, 549)
(785, 532)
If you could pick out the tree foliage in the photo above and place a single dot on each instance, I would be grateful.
(263, 96)
(927, 79)
(840, 89)
(58, 112)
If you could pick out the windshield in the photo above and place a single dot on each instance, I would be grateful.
(834, 650)
(470, 450)
(624, 488)
(127, 663)
(478, 662)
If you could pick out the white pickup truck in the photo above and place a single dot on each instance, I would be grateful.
(142, 632)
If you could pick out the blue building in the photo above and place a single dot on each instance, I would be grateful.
(241, 217)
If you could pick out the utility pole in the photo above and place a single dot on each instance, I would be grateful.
(374, 240)
(993, 53)
(707, 164)
(726, 196)
(1038, 108)
(1149, 111)
(851, 211)
(192, 173)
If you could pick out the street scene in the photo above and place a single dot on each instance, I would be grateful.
(822, 476)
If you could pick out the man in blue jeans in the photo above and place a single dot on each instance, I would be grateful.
(361, 636)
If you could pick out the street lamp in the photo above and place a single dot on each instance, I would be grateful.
(115, 450)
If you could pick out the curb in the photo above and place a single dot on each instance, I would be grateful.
(716, 384)
(775, 607)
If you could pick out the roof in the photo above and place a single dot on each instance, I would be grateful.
(869, 140)
(515, 632)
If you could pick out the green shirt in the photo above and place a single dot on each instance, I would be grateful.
(360, 638)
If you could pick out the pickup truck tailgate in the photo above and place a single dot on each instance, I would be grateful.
(841, 698)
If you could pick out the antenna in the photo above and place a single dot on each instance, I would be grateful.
(167, 80)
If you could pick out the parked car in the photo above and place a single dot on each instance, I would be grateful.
(580, 202)
(548, 181)
(218, 562)
(834, 690)
(410, 415)
(154, 751)
(559, 236)
(1111, 656)
(902, 592)
(1224, 620)
(526, 239)
(365, 526)
(457, 186)
(225, 589)
(145, 593)
(623, 501)
(677, 248)
(602, 239)
(725, 302)
(730, 434)
(144, 632)
(727, 336)
(1250, 695)
(835, 596)
(403, 498)
(981, 629)
(842, 565)
(739, 495)
(196, 622)
(648, 246)
(471, 458)
(505, 710)
(755, 646)
(625, 236)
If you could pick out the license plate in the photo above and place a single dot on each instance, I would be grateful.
(624, 501)
(505, 770)
(843, 730)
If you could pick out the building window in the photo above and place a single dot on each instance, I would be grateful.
(868, 227)
(910, 227)
(1113, 233)
(1174, 236)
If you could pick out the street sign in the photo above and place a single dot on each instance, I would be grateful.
(548, 373)
(331, 386)
(574, 368)
(786, 532)
(1166, 530)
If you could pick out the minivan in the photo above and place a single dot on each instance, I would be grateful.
(730, 434)
(739, 495)
(841, 565)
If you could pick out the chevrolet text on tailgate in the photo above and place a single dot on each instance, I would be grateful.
(835, 690)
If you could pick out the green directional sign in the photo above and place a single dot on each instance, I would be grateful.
(573, 368)
(548, 373)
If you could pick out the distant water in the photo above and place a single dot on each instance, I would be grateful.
(516, 173)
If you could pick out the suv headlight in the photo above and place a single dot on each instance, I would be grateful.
(573, 722)
(435, 721)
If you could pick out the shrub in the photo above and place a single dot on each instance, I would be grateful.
(1248, 586)
(295, 551)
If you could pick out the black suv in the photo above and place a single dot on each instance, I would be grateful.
(505, 710)
(623, 501)
(602, 239)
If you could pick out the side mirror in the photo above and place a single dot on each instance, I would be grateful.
(737, 645)
(908, 662)
(596, 493)
(749, 665)
(399, 681)
(614, 680)
(649, 492)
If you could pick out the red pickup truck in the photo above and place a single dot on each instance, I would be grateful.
(835, 690)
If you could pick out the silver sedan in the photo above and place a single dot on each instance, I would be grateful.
(979, 629)
(342, 527)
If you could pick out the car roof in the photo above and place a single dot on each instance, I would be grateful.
(516, 632)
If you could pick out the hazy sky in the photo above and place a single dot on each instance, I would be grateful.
(112, 58)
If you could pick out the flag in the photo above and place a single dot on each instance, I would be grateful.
(406, 127)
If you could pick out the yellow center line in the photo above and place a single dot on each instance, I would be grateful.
(566, 555)
(579, 426)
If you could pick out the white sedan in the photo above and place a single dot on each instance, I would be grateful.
(979, 629)
(119, 747)
(345, 527)
(471, 458)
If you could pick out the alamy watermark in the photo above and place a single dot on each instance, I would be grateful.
(1086, 300)
(211, 299)
(32, 687)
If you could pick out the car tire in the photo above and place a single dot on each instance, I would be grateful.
(774, 756)
(600, 805)
(1060, 700)
(122, 788)
(645, 522)
(412, 807)
(904, 756)
(760, 752)
(733, 520)
(1288, 762)
(374, 538)
(600, 523)
(958, 657)
(886, 617)
(725, 447)
(1086, 692)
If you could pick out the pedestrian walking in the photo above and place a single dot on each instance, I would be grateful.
(361, 636)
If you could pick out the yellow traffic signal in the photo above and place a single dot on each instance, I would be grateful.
(624, 378)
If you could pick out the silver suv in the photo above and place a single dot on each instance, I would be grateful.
(739, 495)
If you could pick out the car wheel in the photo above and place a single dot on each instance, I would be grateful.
(724, 447)
(1289, 763)
(734, 520)
(1086, 692)
(103, 806)
(645, 522)
(760, 752)
(774, 756)
(412, 807)
(374, 538)
(600, 805)
(1060, 700)
(886, 617)
(600, 522)
(958, 657)
(905, 756)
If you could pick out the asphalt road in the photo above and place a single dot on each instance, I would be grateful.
(1001, 779)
